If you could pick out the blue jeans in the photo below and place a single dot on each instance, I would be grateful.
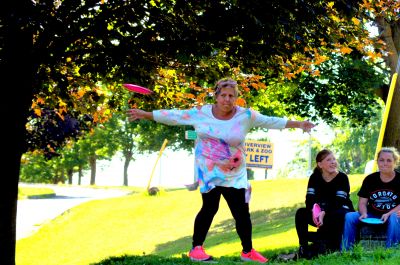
(351, 229)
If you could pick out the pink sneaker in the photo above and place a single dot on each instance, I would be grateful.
(198, 254)
(253, 256)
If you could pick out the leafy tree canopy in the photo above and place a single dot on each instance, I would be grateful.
(84, 50)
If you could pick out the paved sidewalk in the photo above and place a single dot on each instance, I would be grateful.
(33, 213)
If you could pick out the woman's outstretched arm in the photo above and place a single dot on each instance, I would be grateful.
(304, 125)
(138, 114)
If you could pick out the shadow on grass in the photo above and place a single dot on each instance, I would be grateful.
(355, 257)
(158, 260)
(41, 196)
(265, 222)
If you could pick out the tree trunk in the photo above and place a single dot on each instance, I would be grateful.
(55, 178)
(16, 85)
(70, 172)
(62, 176)
(92, 162)
(128, 158)
(390, 33)
(80, 174)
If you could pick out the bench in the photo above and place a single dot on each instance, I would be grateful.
(372, 236)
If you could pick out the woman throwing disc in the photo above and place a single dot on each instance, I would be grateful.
(220, 159)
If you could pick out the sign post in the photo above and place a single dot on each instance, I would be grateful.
(191, 135)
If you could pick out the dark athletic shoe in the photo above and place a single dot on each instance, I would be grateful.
(304, 253)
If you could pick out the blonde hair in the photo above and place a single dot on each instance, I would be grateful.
(392, 151)
(226, 82)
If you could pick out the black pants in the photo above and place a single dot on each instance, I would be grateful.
(239, 209)
(332, 229)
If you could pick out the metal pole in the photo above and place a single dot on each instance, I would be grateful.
(155, 164)
(309, 152)
(309, 170)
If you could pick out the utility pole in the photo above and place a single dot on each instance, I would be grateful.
(309, 170)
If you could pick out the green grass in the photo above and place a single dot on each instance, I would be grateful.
(142, 229)
(34, 193)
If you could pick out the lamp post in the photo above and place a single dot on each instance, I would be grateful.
(309, 170)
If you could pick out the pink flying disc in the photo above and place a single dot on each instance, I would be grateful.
(138, 89)
(316, 210)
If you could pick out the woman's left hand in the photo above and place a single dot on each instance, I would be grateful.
(385, 216)
(321, 218)
(306, 126)
(138, 114)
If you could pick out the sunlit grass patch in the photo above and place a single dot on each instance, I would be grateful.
(35, 193)
(143, 229)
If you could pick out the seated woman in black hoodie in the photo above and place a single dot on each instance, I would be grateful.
(329, 189)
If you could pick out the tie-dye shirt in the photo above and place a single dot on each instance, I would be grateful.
(220, 158)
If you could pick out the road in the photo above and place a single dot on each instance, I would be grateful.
(33, 213)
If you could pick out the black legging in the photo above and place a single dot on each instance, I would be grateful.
(239, 209)
(332, 227)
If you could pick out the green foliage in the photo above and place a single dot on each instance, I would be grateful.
(297, 168)
(115, 135)
(98, 144)
(34, 168)
(355, 146)
(84, 50)
(345, 89)
(151, 136)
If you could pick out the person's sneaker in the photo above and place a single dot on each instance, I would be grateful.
(253, 256)
(198, 254)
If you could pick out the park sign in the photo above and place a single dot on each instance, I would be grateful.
(190, 135)
(259, 154)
